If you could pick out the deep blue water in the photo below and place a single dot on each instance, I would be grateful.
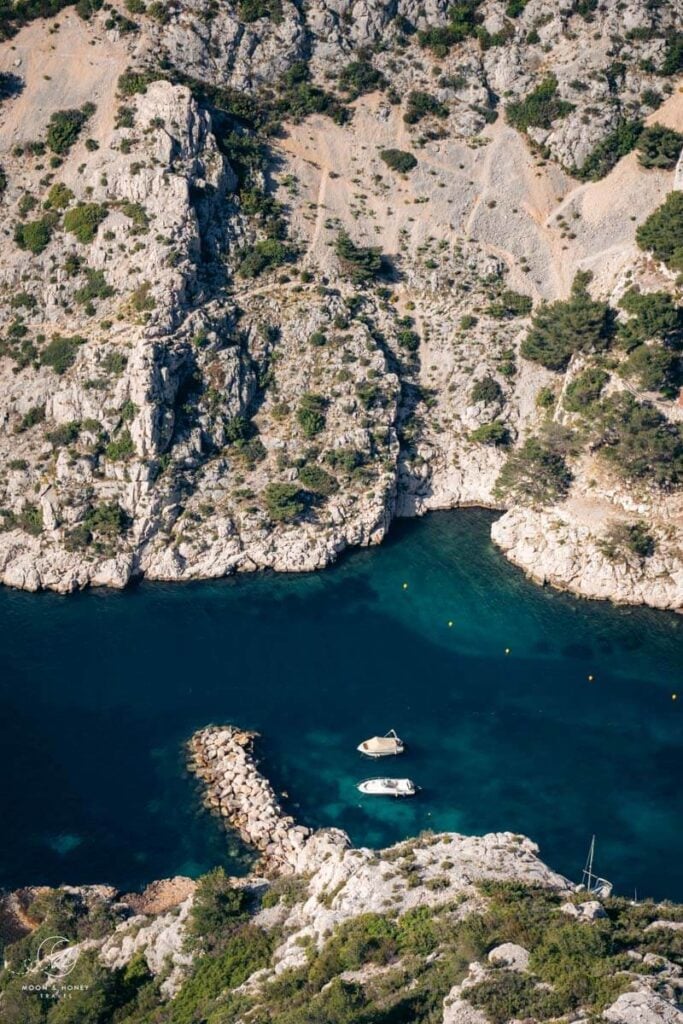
(98, 691)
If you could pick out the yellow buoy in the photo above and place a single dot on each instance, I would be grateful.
(450, 624)
(507, 650)
(590, 679)
(674, 696)
(405, 586)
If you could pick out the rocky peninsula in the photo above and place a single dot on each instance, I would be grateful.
(442, 927)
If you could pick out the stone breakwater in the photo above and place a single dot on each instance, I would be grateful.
(223, 758)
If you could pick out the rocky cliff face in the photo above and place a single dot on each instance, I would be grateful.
(197, 380)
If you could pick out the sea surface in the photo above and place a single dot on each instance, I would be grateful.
(523, 709)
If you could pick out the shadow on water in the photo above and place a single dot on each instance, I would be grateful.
(99, 691)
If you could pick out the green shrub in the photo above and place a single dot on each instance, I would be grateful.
(561, 328)
(253, 10)
(34, 235)
(486, 390)
(30, 519)
(95, 287)
(634, 538)
(314, 478)
(653, 315)
(60, 354)
(399, 160)
(673, 55)
(540, 108)
(65, 126)
(218, 907)
(422, 104)
(509, 995)
(64, 434)
(659, 147)
(357, 263)
(608, 152)
(655, 368)
(310, 414)
(108, 520)
(121, 447)
(283, 502)
(494, 433)
(132, 82)
(584, 389)
(638, 441)
(662, 232)
(535, 474)
(510, 304)
(83, 220)
(268, 253)
(462, 22)
(59, 197)
(32, 418)
(360, 77)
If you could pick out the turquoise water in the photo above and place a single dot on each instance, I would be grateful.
(98, 691)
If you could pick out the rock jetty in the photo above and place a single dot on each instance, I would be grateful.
(223, 758)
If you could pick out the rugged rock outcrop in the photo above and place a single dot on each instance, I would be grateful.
(195, 383)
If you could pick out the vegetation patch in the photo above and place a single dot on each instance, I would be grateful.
(65, 126)
(358, 263)
(560, 329)
(540, 108)
(662, 232)
(399, 160)
(84, 220)
(659, 147)
(61, 352)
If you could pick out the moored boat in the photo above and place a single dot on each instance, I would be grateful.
(382, 746)
(388, 787)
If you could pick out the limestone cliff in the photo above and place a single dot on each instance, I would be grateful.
(197, 380)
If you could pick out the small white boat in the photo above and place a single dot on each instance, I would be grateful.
(382, 746)
(388, 787)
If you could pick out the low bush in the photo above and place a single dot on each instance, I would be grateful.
(360, 77)
(494, 434)
(535, 474)
(463, 19)
(358, 263)
(34, 235)
(120, 447)
(659, 147)
(510, 304)
(540, 108)
(65, 433)
(283, 502)
(60, 354)
(310, 414)
(264, 255)
(83, 220)
(59, 197)
(217, 909)
(628, 538)
(486, 390)
(317, 480)
(422, 104)
(95, 287)
(584, 389)
(399, 160)
(608, 152)
(65, 126)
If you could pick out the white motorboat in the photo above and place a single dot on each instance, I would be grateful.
(388, 787)
(382, 746)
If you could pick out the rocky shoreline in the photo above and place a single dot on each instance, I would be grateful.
(223, 759)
